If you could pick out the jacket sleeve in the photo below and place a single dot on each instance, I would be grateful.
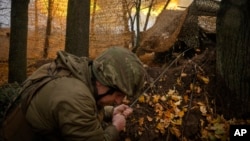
(78, 121)
(108, 113)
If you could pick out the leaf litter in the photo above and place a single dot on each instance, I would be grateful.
(179, 106)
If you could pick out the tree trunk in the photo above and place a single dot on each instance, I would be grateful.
(131, 21)
(77, 29)
(92, 25)
(18, 41)
(137, 14)
(148, 15)
(233, 57)
(48, 28)
(125, 17)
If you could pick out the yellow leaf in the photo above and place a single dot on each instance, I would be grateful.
(156, 98)
(141, 99)
(168, 114)
(160, 127)
(181, 114)
(203, 78)
(175, 131)
(177, 122)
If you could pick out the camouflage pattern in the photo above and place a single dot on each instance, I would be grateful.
(66, 106)
(119, 68)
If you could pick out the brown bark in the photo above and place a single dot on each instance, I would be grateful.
(233, 57)
(77, 28)
(18, 41)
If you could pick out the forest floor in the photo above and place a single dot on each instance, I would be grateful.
(180, 105)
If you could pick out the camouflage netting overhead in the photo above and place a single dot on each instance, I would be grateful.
(163, 34)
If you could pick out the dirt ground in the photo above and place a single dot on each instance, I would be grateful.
(178, 105)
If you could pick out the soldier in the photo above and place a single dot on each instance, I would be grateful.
(67, 106)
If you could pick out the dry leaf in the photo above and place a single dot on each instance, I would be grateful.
(156, 98)
(141, 121)
(176, 97)
(203, 110)
(163, 98)
(177, 122)
(160, 127)
(198, 89)
(185, 98)
(141, 99)
(178, 81)
(149, 118)
(140, 132)
(191, 86)
(183, 74)
(171, 92)
(203, 78)
(175, 131)
(181, 114)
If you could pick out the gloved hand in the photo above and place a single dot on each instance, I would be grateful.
(123, 109)
(119, 121)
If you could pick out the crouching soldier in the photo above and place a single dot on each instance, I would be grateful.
(71, 91)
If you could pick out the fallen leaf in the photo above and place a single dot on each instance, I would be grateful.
(203, 110)
(171, 92)
(160, 127)
(176, 97)
(156, 98)
(203, 78)
(141, 121)
(178, 81)
(183, 74)
(141, 99)
(149, 118)
(181, 114)
(185, 98)
(175, 131)
(163, 98)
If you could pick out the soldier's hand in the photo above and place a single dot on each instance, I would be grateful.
(119, 121)
(123, 109)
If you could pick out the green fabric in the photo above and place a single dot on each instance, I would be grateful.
(119, 68)
(66, 106)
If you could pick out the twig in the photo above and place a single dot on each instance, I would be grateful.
(162, 73)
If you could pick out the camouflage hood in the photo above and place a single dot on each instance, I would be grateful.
(121, 69)
(78, 66)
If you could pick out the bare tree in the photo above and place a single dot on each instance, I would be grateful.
(48, 28)
(137, 14)
(148, 15)
(128, 5)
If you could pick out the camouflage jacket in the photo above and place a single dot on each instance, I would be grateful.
(65, 108)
